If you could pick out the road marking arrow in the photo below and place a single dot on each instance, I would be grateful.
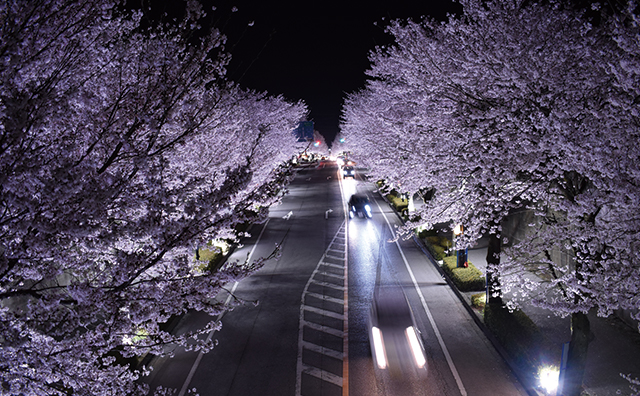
(288, 215)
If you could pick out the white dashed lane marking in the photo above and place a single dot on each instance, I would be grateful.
(321, 351)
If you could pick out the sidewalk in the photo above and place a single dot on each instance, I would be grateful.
(615, 349)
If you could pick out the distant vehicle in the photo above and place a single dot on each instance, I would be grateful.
(359, 206)
(349, 171)
(395, 341)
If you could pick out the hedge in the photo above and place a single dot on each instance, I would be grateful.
(400, 204)
(465, 279)
(210, 259)
(478, 300)
(438, 245)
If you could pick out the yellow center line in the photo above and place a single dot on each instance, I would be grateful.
(345, 339)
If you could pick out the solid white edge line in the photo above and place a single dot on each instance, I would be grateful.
(192, 372)
(447, 356)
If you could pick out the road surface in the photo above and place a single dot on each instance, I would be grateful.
(303, 327)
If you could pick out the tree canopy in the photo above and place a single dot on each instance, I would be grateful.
(123, 149)
(517, 105)
(512, 105)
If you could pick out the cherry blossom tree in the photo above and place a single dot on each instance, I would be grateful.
(122, 149)
(516, 105)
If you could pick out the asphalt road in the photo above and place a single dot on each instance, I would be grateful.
(302, 331)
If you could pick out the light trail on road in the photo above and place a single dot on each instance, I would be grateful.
(443, 346)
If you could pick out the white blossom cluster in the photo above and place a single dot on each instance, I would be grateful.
(511, 106)
(122, 150)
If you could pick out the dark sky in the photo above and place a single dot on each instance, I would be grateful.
(311, 50)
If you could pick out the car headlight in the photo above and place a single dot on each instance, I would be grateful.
(378, 347)
(418, 356)
(367, 208)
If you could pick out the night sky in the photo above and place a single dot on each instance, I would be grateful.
(316, 51)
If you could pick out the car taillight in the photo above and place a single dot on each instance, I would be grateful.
(418, 356)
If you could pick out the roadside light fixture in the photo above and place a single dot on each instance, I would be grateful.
(457, 230)
(549, 378)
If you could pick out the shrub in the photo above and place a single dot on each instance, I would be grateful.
(208, 254)
(465, 279)
(478, 300)
(437, 245)
(210, 258)
(423, 234)
(437, 251)
(398, 203)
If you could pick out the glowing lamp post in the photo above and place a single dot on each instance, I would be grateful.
(461, 255)
(457, 230)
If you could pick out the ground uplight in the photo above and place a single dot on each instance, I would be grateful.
(549, 377)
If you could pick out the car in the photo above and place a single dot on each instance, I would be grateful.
(349, 171)
(396, 342)
(359, 206)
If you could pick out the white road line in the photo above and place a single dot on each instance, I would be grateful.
(324, 329)
(323, 375)
(341, 267)
(327, 284)
(452, 366)
(192, 372)
(326, 298)
(323, 312)
(334, 257)
(322, 350)
(301, 367)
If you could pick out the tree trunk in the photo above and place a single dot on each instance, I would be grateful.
(581, 336)
(494, 296)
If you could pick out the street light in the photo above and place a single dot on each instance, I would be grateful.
(457, 230)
